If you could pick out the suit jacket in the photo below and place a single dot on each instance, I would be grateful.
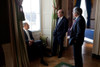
(77, 32)
(26, 37)
(61, 28)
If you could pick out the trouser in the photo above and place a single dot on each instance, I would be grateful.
(35, 48)
(57, 42)
(78, 55)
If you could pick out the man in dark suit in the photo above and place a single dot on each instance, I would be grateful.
(33, 46)
(59, 33)
(77, 36)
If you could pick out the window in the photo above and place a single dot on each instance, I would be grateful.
(31, 10)
(83, 7)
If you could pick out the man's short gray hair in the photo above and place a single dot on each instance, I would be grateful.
(77, 10)
(24, 24)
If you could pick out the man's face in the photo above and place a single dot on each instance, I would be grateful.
(27, 26)
(74, 14)
(59, 13)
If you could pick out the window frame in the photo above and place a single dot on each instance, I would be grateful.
(40, 5)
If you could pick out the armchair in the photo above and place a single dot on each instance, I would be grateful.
(44, 40)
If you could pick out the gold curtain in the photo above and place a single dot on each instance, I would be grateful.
(74, 2)
(18, 41)
(56, 6)
(54, 16)
(92, 2)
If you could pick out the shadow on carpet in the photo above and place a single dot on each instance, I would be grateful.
(62, 64)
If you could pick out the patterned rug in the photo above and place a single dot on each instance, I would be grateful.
(62, 64)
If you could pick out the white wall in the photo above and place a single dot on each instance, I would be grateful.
(46, 18)
(92, 23)
(96, 44)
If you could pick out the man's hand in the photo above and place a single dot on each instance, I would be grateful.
(74, 41)
(31, 42)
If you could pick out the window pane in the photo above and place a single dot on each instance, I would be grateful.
(31, 10)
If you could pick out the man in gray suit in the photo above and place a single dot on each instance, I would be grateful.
(77, 36)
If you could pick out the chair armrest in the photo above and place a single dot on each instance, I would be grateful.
(44, 40)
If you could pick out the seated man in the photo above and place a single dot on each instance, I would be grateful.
(31, 44)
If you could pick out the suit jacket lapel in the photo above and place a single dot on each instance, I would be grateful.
(76, 22)
(60, 23)
(25, 35)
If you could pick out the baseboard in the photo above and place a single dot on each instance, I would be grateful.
(95, 56)
(88, 40)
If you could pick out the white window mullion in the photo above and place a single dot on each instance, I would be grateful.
(31, 10)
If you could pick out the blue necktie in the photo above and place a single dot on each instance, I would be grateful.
(58, 21)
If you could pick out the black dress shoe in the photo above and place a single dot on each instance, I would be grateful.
(44, 63)
(59, 56)
(53, 54)
(49, 55)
